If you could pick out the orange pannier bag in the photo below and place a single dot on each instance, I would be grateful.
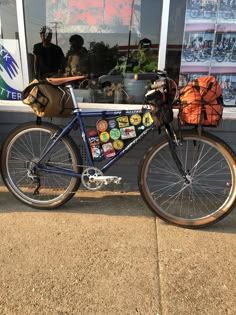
(201, 102)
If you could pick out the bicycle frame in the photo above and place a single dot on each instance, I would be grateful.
(77, 120)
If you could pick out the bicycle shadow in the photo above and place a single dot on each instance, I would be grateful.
(226, 225)
(104, 203)
(111, 204)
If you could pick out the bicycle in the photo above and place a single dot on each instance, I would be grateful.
(225, 55)
(228, 94)
(198, 11)
(187, 178)
(195, 55)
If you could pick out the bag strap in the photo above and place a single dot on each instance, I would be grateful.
(197, 86)
(27, 90)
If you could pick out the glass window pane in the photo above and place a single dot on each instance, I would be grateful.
(111, 32)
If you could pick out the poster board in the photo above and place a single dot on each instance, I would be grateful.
(11, 80)
(209, 44)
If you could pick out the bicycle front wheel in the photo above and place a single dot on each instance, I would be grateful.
(210, 193)
(207, 14)
(232, 57)
(220, 58)
(194, 13)
(40, 185)
(188, 56)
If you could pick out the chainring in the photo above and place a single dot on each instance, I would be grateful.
(88, 178)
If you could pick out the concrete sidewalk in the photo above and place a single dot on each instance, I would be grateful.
(106, 253)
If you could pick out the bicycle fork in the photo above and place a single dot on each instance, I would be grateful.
(172, 145)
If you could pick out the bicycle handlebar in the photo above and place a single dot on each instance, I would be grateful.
(151, 76)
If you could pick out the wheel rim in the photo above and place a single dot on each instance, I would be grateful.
(209, 193)
(220, 58)
(189, 58)
(22, 155)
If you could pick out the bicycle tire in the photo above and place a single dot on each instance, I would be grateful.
(194, 13)
(211, 192)
(207, 14)
(226, 15)
(36, 188)
(232, 57)
(203, 57)
(189, 57)
(220, 58)
(228, 97)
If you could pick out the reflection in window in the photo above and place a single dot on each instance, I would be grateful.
(8, 20)
(111, 33)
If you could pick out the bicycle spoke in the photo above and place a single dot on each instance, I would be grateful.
(202, 196)
(27, 179)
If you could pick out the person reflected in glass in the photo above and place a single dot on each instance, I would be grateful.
(49, 59)
(76, 57)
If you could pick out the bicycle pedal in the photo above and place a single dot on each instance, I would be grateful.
(105, 180)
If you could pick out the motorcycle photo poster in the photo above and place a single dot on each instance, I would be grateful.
(209, 44)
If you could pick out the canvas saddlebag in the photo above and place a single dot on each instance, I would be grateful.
(47, 100)
(201, 102)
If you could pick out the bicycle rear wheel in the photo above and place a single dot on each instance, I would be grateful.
(23, 175)
(211, 192)
(188, 56)
(220, 57)
(194, 13)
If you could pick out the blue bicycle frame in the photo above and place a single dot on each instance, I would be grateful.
(78, 120)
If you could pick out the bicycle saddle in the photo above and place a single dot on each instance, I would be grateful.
(63, 80)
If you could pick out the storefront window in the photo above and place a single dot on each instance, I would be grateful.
(11, 82)
(208, 43)
(111, 31)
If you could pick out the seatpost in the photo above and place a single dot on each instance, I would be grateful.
(69, 86)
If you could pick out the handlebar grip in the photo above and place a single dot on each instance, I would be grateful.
(150, 76)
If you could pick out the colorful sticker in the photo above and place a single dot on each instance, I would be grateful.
(108, 150)
(93, 138)
(135, 119)
(118, 144)
(104, 136)
(147, 119)
(140, 128)
(102, 125)
(115, 133)
(112, 123)
(128, 132)
(97, 153)
(123, 121)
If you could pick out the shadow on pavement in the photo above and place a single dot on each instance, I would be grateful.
(104, 203)
(109, 203)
